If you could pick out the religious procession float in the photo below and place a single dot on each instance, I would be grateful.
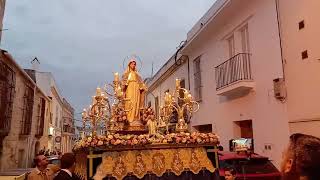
(136, 144)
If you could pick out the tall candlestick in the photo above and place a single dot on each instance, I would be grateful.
(177, 83)
(116, 77)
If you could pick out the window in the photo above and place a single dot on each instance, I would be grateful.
(41, 116)
(182, 85)
(197, 79)
(57, 115)
(301, 24)
(181, 92)
(243, 129)
(304, 54)
(231, 46)
(27, 111)
(7, 86)
(245, 39)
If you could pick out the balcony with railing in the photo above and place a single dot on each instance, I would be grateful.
(234, 75)
(68, 129)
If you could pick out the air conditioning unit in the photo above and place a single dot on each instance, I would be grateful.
(279, 88)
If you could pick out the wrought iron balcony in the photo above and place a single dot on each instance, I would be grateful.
(234, 75)
(68, 129)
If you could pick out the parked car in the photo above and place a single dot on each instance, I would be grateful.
(54, 160)
(248, 166)
(15, 174)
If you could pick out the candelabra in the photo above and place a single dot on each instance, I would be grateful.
(182, 102)
(98, 111)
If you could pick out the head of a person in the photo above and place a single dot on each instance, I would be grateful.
(301, 159)
(132, 65)
(230, 173)
(41, 161)
(68, 161)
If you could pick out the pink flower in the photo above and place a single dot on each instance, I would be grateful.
(100, 143)
(135, 141)
(129, 142)
(118, 141)
(112, 141)
(178, 140)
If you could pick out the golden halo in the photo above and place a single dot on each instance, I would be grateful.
(129, 58)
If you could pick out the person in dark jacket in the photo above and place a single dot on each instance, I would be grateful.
(67, 165)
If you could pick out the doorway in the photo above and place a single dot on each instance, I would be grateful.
(243, 129)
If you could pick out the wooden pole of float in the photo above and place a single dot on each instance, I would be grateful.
(90, 164)
(216, 156)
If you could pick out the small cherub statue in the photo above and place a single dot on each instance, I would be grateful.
(152, 126)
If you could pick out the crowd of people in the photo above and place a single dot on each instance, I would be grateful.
(48, 152)
(301, 161)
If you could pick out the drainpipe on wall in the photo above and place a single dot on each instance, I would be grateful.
(280, 39)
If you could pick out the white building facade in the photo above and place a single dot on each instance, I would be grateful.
(46, 82)
(239, 64)
(300, 27)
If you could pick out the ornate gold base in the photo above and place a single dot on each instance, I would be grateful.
(137, 130)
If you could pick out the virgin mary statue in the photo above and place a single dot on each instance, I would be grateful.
(134, 90)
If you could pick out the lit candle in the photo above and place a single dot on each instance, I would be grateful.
(186, 94)
(189, 97)
(177, 83)
(98, 91)
(170, 98)
(116, 77)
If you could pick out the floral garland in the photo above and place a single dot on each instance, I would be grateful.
(148, 114)
(140, 140)
(119, 114)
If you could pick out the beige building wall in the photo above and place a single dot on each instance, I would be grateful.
(68, 130)
(2, 10)
(19, 149)
(46, 82)
(301, 74)
(57, 110)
